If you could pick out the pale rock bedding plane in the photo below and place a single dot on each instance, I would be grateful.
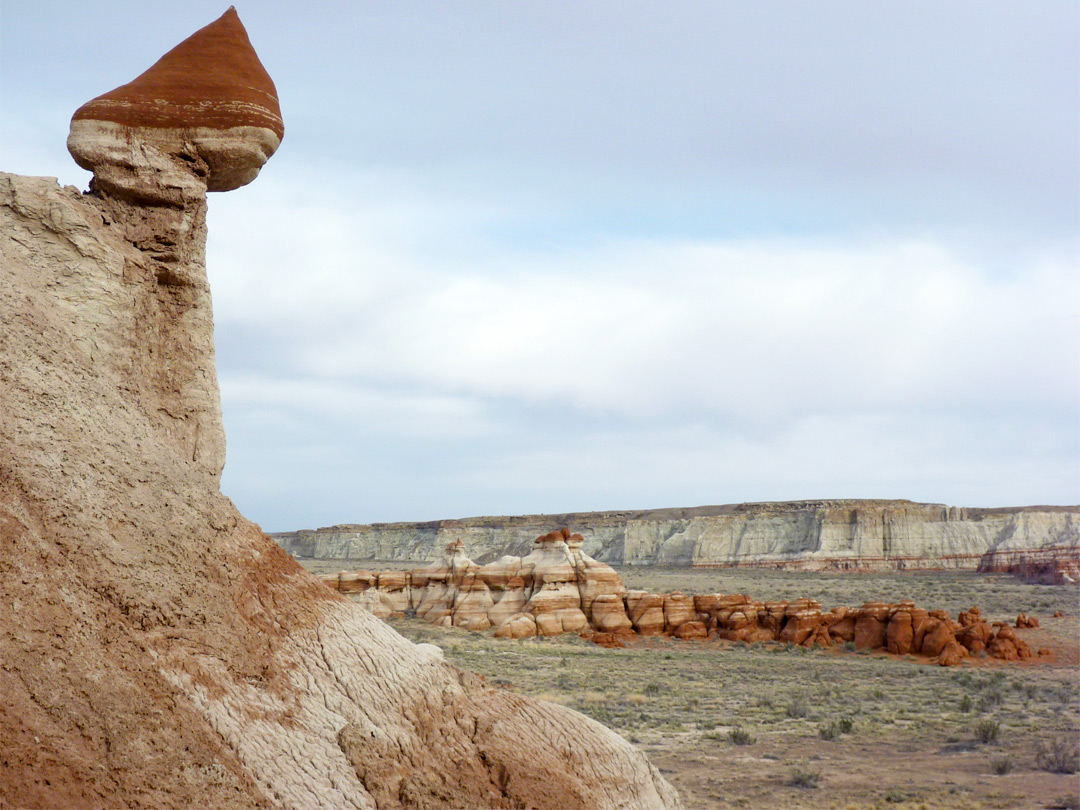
(159, 651)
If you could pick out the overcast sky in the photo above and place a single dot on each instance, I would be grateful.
(525, 257)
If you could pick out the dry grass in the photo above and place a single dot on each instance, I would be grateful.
(735, 725)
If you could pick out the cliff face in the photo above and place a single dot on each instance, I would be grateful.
(842, 535)
(158, 649)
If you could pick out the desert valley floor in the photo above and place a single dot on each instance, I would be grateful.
(777, 726)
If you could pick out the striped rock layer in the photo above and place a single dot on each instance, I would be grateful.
(208, 105)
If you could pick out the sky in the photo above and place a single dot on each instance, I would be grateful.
(570, 255)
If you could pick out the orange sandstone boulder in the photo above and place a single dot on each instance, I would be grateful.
(556, 608)
(520, 626)
(951, 654)
(646, 611)
(870, 624)
(678, 609)
(938, 635)
(802, 618)
(976, 636)
(920, 622)
(899, 633)
(771, 617)
(609, 615)
(970, 616)
(692, 630)
(840, 622)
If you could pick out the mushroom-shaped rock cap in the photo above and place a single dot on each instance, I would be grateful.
(208, 98)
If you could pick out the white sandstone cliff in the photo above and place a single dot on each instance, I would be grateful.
(839, 535)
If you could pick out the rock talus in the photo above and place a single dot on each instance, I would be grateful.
(159, 651)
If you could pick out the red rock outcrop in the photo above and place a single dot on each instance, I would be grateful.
(536, 595)
(1027, 622)
(159, 651)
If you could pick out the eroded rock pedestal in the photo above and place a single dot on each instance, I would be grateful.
(158, 650)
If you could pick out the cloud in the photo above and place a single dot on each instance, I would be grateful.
(382, 358)
(646, 328)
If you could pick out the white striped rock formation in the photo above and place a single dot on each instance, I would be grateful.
(560, 589)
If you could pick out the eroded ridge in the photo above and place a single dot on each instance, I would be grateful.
(560, 589)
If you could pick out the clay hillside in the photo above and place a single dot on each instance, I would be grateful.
(859, 535)
(158, 650)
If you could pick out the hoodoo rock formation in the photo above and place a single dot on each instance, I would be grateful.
(1039, 542)
(208, 106)
(159, 651)
(560, 589)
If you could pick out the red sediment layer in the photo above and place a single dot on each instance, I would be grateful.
(212, 79)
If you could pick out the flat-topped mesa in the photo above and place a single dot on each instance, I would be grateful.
(204, 117)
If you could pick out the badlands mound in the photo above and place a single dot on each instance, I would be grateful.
(159, 650)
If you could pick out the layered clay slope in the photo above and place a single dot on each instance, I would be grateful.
(158, 650)
(812, 535)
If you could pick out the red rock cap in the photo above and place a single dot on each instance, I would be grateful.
(210, 91)
(212, 79)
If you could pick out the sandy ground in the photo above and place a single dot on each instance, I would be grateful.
(914, 741)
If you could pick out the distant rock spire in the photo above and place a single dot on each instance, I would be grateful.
(207, 105)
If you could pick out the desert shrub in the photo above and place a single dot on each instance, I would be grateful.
(797, 708)
(740, 736)
(653, 689)
(894, 795)
(829, 731)
(849, 646)
(765, 702)
(806, 779)
(1001, 765)
(1058, 756)
(991, 699)
(986, 731)
(846, 724)
(966, 703)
